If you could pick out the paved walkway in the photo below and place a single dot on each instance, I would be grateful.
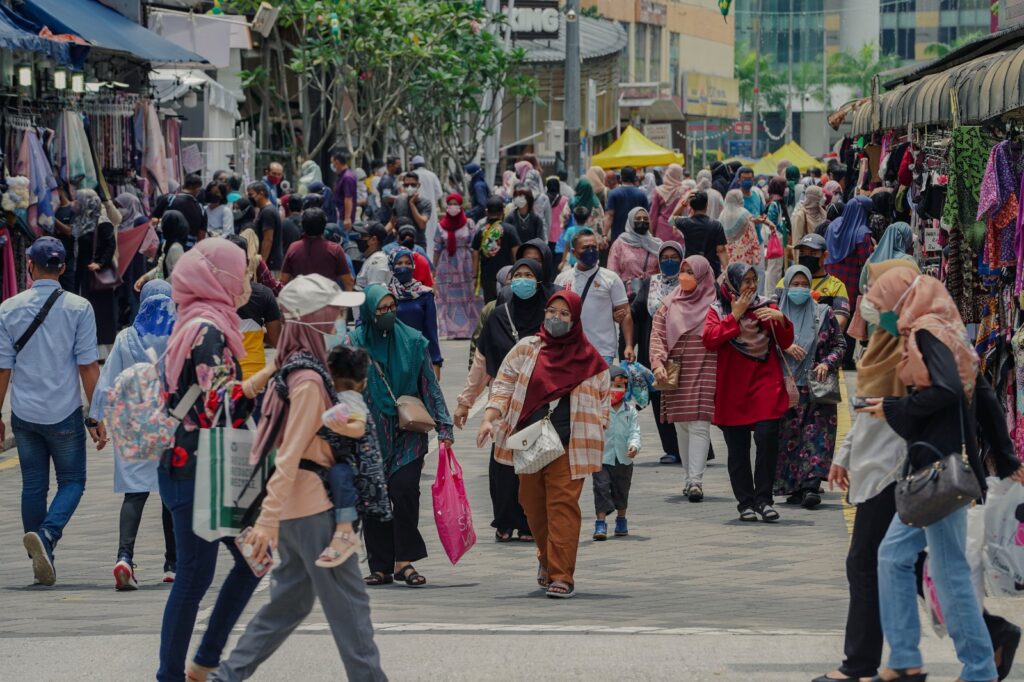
(692, 593)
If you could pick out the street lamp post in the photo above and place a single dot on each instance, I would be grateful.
(572, 90)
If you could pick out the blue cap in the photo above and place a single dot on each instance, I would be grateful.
(47, 252)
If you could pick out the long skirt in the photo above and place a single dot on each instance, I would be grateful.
(807, 443)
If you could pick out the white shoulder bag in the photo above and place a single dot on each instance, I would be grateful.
(535, 446)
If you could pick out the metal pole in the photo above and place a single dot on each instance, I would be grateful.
(824, 83)
(757, 77)
(789, 88)
(572, 90)
(493, 101)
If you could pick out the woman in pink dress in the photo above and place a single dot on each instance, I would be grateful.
(458, 305)
(634, 254)
(664, 201)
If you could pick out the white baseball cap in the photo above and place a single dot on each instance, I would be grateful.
(309, 293)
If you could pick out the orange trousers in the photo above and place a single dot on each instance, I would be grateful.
(551, 500)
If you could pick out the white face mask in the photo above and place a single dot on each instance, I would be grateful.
(410, 190)
(454, 210)
(520, 202)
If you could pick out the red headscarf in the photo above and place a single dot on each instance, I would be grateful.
(564, 362)
(452, 225)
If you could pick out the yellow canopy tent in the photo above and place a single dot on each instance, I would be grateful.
(633, 149)
(791, 152)
(766, 165)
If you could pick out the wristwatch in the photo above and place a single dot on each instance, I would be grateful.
(91, 423)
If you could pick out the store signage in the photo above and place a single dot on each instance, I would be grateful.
(743, 127)
(710, 96)
(660, 134)
(533, 19)
(648, 12)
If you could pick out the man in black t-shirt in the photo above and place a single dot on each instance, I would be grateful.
(502, 253)
(187, 203)
(267, 227)
(702, 235)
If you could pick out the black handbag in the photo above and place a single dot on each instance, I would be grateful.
(932, 493)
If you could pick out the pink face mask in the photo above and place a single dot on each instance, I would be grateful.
(454, 210)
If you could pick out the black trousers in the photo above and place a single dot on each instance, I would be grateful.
(863, 644)
(753, 488)
(398, 539)
(131, 519)
(508, 513)
(666, 431)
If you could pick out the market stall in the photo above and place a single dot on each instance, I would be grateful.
(632, 148)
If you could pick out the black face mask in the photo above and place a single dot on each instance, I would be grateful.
(408, 243)
(641, 227)
(812, 263)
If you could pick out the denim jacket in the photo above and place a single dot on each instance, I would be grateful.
(622, 433)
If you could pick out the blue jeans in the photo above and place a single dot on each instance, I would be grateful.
(342, 480)
(897, 595)
(64, 443)
(197, 561)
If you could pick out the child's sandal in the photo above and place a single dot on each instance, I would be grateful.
(331, 557)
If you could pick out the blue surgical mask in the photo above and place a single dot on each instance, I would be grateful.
(588, 257)
(338, 337)
(747, 185)
(670, 268)
(524, 288)
(798, 296)
(403, 274)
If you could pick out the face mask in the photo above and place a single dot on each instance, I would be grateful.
(687, 282)
(670, 268)
(386, 322)
(588, 257)
(747, 185)
(641, 227)
(799, 296)
(812, 263)
(889, 321)
(408, 242)
(617, 396)
(362, 245)
(273, 181)
(410, 190)
(403, 274)
(524, 288)
(556, 326)
(338, 337)
(869, 312)
(454, 210)
(520, 202)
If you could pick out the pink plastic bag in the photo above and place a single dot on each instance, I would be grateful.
(451, 506)
(774, 249)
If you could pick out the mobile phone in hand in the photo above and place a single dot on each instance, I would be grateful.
(260, 565)
(860, 403)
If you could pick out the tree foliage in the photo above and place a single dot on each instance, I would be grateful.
(936, 50)
(771, 84)
(377, 72)
(858, 69)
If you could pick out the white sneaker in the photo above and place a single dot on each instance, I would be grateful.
(124, 577)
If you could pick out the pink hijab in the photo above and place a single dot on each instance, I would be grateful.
(671, 187)
(206, 284)
(522, 168)
(685, 312)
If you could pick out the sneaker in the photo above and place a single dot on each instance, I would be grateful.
(600, 530)
(169, 572)
(124, 576)
(811, 499)
(696, 494)
(621, 527)
(686, 489)
(768, 513)
(42, 563)
(748, 515)
(795, 498)
(670, 458)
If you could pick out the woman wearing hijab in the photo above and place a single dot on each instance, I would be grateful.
(849, 246)
(808, 214)
(95, 249)
(541, 205)
(595, 176)
(309, 172)
(136, 479)
(508, 183)
(296, 518)
(133, 216)
(458, 306)
(400, 365)
(896, 242)
(556, 374)
(664, 202)
(416, 306)
(649, 299)
(208, 286)
(795, 194)
(521, 316)
(947, 403)
(809, 429)
(558, 203)
(677, 336)
(742, 245)
(778, 223)
(586, 197)
(634, 255)
(749, 332)
(833, 192)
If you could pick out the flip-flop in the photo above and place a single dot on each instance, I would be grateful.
(555, 594)
(410, 577)
(378, 578)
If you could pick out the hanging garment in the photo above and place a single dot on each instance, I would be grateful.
(155, 155)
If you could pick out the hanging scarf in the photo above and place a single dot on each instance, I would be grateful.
(686, 311)
(754, 340)
(847, 231)
(410, 290)
(400, 354)
(452, 225)
(585, 195)
(661, 285)
(999, 182)
(563, 362)
(648, 242)
(734, 217)
(89, 214)
(805, 320)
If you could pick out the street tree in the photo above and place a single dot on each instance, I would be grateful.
(858, 69)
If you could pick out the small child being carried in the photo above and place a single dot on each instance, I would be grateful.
(348, 367)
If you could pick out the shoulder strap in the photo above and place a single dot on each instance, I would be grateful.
(37, 321)
(586, 289)
(511, 324)
(384, 378)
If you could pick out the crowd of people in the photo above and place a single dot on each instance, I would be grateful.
(721, 300)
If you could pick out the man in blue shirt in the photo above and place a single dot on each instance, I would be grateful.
(621, 201)
(43, 371)
(752, 200)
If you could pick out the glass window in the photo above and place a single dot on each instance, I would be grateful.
(655, 72)
(673, 62)
(624, 59)
(640, 53)
(888, 45)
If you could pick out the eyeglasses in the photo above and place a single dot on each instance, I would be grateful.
(563, 314)
(387, 309)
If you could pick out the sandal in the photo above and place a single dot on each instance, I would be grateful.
(503, 536)
(197, 673)
(525, 537)
(378, 578)
(542, 578)
(331, 557)
(560, 590)
(410, 576)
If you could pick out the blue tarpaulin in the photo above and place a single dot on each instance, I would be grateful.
(17, 33)
(107, 29)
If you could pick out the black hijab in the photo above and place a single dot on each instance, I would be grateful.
(175, 229)
(527, 316)
(547, 276)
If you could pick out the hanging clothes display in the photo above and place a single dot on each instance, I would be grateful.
(154, 159)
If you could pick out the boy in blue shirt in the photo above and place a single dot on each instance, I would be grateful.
(621, 444)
